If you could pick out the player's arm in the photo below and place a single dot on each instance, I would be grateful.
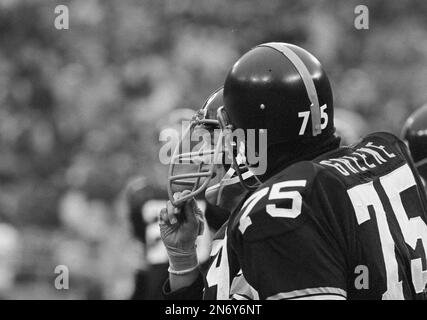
(188, 288)
(182, 281)
(288, 249)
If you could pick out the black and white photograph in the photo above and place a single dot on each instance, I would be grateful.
(190, 150)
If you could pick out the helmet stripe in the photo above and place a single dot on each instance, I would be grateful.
(306, 78)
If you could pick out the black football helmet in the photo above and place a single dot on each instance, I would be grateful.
(281, 89)
(415, 135)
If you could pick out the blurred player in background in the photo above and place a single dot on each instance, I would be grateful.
(415, 135)
(142, 200)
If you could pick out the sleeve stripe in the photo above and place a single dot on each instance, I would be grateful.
(321, 297)
(309, 292)
(239, 296)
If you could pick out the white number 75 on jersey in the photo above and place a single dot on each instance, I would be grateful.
(275, 194)
(412, 229)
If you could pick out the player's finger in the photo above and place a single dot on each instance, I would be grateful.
(163, 216)
(201, 223)
(199, 217)
(171, 212)
(189, 210)
(197, 211)
(182, 207)
(178, 195)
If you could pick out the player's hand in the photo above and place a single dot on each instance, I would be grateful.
(179, 229)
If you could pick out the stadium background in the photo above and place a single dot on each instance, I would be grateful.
(80, 110)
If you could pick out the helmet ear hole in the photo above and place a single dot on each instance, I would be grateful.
(223, 119)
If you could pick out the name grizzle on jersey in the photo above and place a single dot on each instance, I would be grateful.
(369, 154)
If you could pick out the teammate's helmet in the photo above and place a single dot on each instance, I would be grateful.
(193, 169)
(282, 88)
(415, 134)
(205, 168)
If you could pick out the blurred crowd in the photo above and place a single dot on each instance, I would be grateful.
(80, 110)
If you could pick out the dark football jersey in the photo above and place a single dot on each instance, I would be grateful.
(223, 277)
(350, 224)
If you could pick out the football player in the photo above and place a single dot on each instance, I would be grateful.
(414, 134)
(324, 222)
(223, 193)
